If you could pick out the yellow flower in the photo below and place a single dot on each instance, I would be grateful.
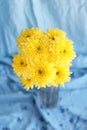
(67, 54)
(44, 58)
(54, 34)
(34, 33)
(62, 75)
(43, 73)
(52, 52)
(20, 65)
(36, 47)
(36, 50)
(67, 41)
(27, 82)
(62, 51)
(22, 43)
(27, 36)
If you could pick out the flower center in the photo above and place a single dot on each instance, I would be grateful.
(29, 79)
(27, 36)
(57, 72)
(40, 72)
(38, 48)
(64, 51)
(22, 63)
(53, 38)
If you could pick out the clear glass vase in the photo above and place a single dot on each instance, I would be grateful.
(48, 97)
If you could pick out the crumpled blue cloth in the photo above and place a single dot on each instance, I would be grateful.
(21, 110)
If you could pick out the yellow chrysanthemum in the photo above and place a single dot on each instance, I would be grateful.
(67, 41)
(43, 73)
(53, 53)
(22, 43)
(20, 65)
(27, 82)
(34, 33)
(62, 75)
(61, 51)
(27, 36)
(67, 54)
(45, 57)
(54, 34)
(36, 50)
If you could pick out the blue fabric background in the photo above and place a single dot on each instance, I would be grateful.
(20, 110)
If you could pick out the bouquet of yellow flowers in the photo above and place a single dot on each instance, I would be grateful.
(44, 58)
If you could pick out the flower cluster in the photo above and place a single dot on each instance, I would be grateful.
(44, 58)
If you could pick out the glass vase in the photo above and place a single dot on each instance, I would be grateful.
(48, 97)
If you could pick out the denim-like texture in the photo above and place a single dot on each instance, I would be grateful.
(21, 110)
